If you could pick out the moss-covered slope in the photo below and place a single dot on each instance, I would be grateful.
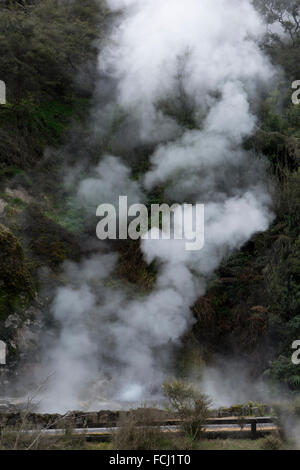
(16, 288)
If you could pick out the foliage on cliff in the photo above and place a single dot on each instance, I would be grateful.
(48, 51)
(48, 61)
(252, 309)
(16, 288)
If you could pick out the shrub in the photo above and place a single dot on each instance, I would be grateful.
(271, 442)
(138, 433)
(191, 406)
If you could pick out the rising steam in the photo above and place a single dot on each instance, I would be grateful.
(186, 75)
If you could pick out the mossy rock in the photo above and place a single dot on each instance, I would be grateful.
(16, 288)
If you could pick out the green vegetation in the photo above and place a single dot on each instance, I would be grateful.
(44, 45)
(253, 305)
(50, 242)
(134, 439)
(18, 438)
(16, 288)
(135, 436)
(211, 445)
(48, 59)
(190, 405)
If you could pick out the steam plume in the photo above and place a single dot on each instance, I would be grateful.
(187, 75)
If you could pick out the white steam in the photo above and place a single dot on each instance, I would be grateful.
(111, 179)
(161, 55)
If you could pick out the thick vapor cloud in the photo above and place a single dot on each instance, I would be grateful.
(170, 63)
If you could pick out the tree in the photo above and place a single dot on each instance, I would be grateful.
(284, 12)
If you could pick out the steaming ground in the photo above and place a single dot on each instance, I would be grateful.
(186, 76)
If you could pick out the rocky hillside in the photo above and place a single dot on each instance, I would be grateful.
(49, 62)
